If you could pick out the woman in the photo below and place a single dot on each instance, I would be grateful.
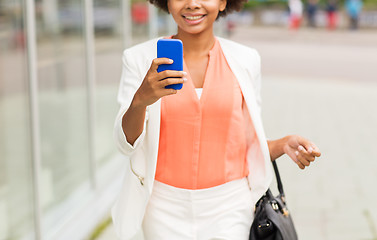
(198, 161)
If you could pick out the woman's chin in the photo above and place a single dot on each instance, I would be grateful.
(196, 30)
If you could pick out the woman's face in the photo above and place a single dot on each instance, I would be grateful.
(195, 16)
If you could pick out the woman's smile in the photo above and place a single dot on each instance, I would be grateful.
(194, 19)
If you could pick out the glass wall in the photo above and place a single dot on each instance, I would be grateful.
(140, 20)
(108, 64)
(62, 103)
(16, 195)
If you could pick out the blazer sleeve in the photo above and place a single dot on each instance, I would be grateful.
(131, 80)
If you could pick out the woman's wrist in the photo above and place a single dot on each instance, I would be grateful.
(278, 147)
(137, 103)
(133, 120)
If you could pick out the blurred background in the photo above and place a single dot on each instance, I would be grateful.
(60, 66)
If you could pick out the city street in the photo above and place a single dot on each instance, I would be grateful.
(322, 85)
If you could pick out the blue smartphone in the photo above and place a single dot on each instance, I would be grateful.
(172, 49)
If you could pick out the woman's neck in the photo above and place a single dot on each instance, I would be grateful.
(196, 44)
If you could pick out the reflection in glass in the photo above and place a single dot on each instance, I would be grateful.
(108, 53)
(62, 104)
(16, 196)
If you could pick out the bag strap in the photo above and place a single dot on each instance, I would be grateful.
(278, 180)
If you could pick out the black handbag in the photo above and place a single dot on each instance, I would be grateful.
(272, 220)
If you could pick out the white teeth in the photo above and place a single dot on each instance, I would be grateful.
(194, 17)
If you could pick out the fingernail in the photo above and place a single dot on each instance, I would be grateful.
(296, 153)
(171, 60)
(185, 73)
(310, 150)
(184, 79)
(300, 148)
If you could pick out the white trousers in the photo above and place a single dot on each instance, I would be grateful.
(223, 212)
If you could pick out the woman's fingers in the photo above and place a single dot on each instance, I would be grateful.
(301, 156)
(306, 153)
(316, 152)
(310, 147)
(306, 156)
(158, 61)
(292, 154)
(168, 81)
(172, 74)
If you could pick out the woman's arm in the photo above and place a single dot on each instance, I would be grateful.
(151, 89)
(133, 121)
(299, 149)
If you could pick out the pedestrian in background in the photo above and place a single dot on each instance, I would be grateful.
(295, 13)
(199, 157)
(311, 9)
(353, 8)
(332, 15)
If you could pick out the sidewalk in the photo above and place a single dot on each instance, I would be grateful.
(329, 98)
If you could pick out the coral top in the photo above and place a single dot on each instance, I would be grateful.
(202, 141)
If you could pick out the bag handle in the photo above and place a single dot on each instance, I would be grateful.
(278, 180)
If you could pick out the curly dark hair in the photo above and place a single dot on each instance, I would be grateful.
(231, 5)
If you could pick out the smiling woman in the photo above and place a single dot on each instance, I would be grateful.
(198, 162)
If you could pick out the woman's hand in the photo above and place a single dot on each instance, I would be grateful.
(154, 83)
(151, 89)
(301, 150)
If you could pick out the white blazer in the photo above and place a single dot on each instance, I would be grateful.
(129, 209)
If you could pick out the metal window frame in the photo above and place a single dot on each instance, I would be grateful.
(34, 112)
(90, 81)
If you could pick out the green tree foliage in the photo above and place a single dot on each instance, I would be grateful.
(257, 4)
